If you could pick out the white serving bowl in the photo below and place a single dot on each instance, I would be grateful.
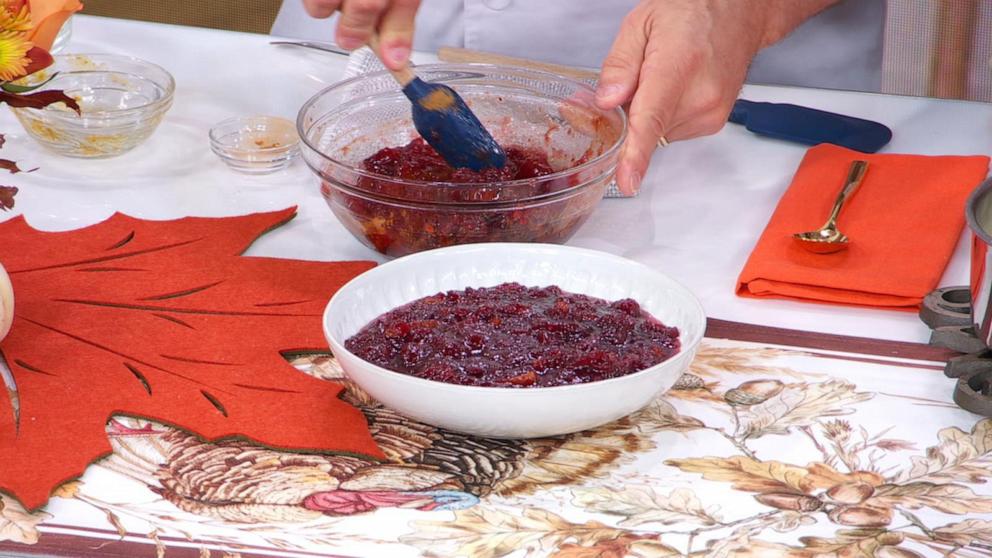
(512, 412)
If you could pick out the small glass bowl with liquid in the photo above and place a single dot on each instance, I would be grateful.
(256, 144)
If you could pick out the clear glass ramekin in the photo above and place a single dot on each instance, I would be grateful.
(255, 144)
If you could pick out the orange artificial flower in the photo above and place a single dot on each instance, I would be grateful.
(15, 19)
(27, 31)
(47, 17)
(14, 59)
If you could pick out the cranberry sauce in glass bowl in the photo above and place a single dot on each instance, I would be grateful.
(515, 336)
(542, 119)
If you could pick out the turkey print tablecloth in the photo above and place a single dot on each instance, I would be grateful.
(761, 450)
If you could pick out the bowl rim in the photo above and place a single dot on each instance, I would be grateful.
(217, 145)
(686, 345)
(274, 159)
(306, 144)
(161, 103)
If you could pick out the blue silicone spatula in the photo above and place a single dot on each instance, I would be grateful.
(794, 123)
(810, 126)
(446, 123)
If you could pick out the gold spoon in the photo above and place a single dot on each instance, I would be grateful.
(827, 239)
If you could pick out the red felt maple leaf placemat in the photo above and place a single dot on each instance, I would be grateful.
(164, 320)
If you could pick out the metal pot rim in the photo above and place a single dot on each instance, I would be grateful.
(983, 189)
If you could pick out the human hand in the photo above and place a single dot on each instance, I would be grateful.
(392, 20)
(681, 63)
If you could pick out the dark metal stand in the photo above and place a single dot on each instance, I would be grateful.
(947, 312)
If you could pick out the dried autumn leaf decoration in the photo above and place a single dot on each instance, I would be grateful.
(7, 194)
(163, 320)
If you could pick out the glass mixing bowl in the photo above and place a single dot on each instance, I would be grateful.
(352, 120)
(121, 99)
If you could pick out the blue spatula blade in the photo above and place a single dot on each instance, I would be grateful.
(810, 126)
(444, 120)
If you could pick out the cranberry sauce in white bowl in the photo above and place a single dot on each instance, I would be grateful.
(519, 411)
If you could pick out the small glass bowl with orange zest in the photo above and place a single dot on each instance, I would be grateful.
(122, 100)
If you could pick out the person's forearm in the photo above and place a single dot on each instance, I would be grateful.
(791, 14)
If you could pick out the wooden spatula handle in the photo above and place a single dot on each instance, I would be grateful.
(403, 76)
(454, 54)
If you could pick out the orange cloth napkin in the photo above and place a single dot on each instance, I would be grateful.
(904, 222)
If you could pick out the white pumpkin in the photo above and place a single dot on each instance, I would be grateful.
(6, 303)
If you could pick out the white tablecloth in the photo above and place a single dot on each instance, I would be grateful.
(703, 203)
